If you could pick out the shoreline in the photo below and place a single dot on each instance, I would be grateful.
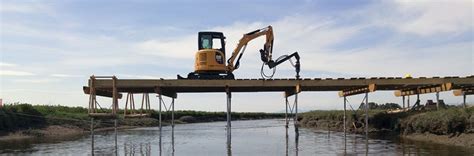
(462, 140)
(56, 132)
(452, 127)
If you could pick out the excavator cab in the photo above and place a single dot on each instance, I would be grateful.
(210, 59)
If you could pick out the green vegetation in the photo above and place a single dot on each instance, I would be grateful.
(20, 116)
(446, 121)
(454, 120)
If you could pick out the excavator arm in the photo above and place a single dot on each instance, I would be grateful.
(265, 53)
(240, 49)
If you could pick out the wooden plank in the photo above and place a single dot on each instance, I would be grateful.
(355, 91)
(100, 92)
(463, 91)
(188, 86)
(424, 89)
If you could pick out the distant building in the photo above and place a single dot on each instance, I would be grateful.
(1, 103)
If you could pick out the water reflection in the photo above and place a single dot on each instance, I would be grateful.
(262, 137)
(134, 149)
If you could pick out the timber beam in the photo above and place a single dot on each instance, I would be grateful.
(289, 93)
(358, 90)
(100, 92)
(464, 91)
(166, 92)
(424, 89)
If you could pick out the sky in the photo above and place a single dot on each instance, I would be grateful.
(48, 49)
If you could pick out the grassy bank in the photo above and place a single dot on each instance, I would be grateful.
(451, 122)
(21, 116)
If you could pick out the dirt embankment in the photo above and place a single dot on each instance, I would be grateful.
(465, 140)
(47, 132)
(54, 132)
(454, 126)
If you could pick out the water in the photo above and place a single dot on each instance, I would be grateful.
(255, 137)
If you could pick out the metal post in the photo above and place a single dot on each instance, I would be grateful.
(367, 122)
(295, 120)
(464, 99)
(228, 128)
(345, 122)
(115, 130)
(172, 124)
(408, 101)
(403, 98)
(366, 114)
(159, 118)
(92, 136)
(286, 113)
(437, 100)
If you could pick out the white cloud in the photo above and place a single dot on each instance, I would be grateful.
(35, 80)
(14, 73)
(65, 75)
(30, 7)
(4, 64)
(434, 17)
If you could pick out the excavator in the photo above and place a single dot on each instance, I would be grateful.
(209, 60)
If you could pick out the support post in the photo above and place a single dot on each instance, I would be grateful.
(295, 119)
(228, 128)
(172, 124)
(159, 119)
(126, 105)
(403, 98)
(464, 100)
(286, 112)
(115, 130)
(345, 122)
(437, 100)
(366, 114)
(114, 96)
(408, 101)
(92, 136)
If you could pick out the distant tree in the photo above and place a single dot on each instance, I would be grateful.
(373, 105)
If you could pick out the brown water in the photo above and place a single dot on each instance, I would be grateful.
(254, 137)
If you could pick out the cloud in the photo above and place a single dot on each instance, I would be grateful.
(4, 64)
(65, 76)
(426, 18)
(15, 73)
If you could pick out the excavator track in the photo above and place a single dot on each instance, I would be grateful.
(208, 76)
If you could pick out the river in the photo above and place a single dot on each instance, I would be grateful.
(252, 137)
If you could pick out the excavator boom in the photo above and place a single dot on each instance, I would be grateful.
(246, 38)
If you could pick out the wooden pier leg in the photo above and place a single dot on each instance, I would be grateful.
(126, 105)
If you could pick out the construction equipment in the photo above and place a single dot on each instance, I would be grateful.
(209, 60)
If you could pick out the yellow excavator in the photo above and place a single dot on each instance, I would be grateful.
(210, 59)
